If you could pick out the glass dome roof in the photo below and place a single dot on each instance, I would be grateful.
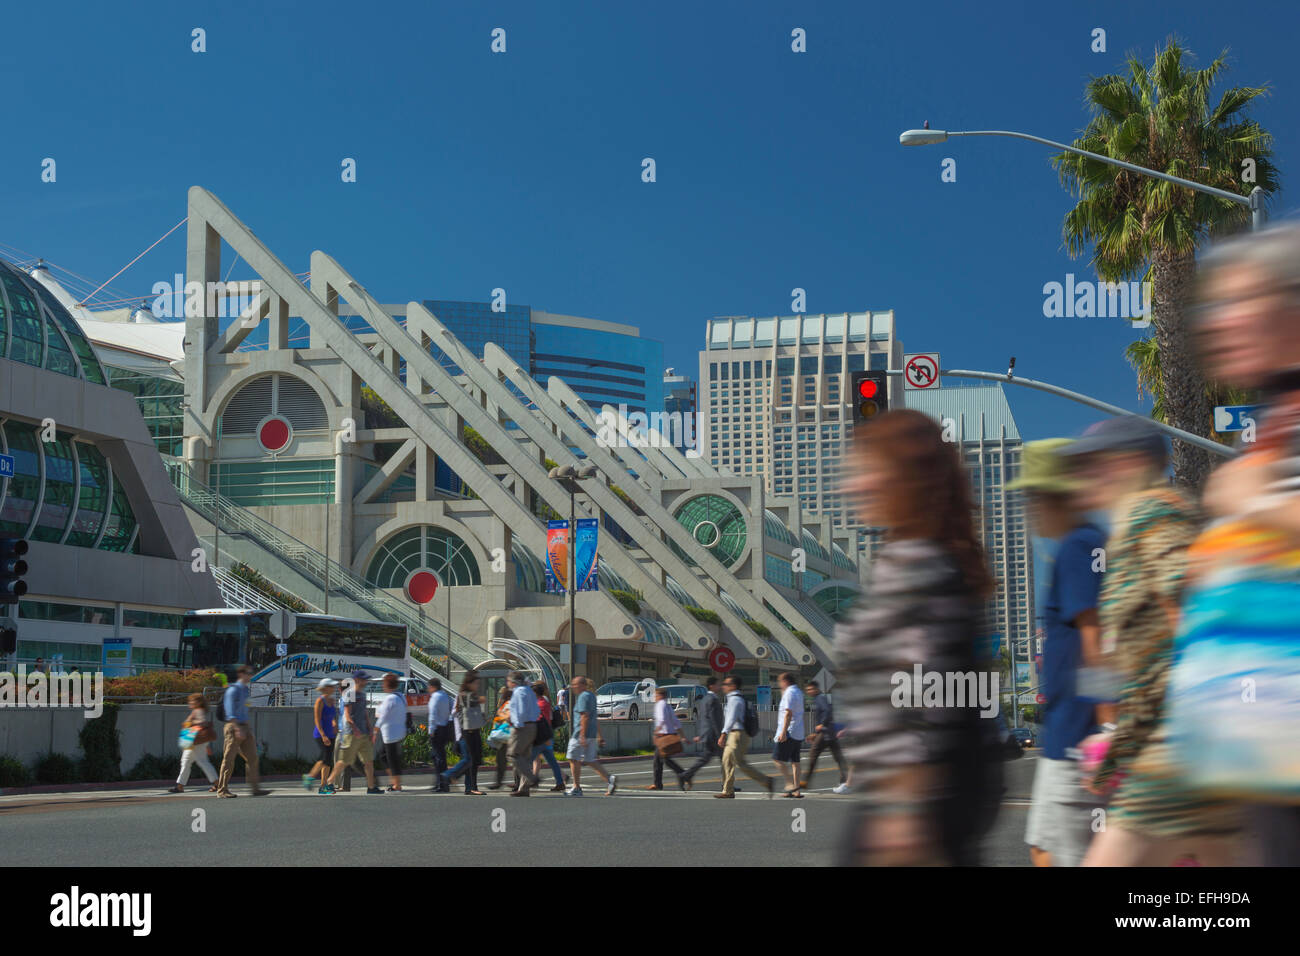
(36, 329)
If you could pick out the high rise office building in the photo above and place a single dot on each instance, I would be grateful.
(775, 397)
(990, 446)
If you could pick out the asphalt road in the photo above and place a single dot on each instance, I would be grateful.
(297, 827)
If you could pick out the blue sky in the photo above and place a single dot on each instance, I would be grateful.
(521, 170)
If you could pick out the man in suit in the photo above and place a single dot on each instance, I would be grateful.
(709, 729)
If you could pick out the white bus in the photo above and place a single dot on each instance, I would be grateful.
(317, 645)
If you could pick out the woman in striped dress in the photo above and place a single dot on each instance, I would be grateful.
(1154, 818)
(921, 762)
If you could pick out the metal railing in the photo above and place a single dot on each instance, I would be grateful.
(431, 636)
(237, 594)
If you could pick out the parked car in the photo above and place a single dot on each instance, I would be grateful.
(685, 700)
(626, 699)
(1024, 735)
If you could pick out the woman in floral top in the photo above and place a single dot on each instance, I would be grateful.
(923, 766)
(1154, 818)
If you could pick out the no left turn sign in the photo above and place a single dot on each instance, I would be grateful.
(921, 370)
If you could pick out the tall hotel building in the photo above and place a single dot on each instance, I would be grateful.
(775, 396)
(991, 446)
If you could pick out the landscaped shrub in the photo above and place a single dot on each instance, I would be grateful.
(57, 768)
(258, 582)
(161, 682)
(275, 765)
(703, 614)
(13, 773)
(416, 748)
(628, 600)
(101, 747)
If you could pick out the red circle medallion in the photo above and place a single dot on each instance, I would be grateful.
(421, 586)
(722, 659)
(274, 433)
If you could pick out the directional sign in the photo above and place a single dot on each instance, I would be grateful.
(921, 370)
(722, 659)
(1230, 418)
(6, 466)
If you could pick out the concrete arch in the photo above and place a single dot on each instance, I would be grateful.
(370, 545)
(273, 362)
(584, 633)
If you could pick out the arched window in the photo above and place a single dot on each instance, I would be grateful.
(716, 525)
(423, 546)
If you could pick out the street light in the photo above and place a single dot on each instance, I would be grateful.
(569, 476)
(1255, 201)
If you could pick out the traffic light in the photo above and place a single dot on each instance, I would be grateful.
(8, 640)
(12, 569)
(870, 394)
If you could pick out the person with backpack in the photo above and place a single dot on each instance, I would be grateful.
(739, 727)
(544, 745)
(826, 737)
(238, 736)
(390, 721)
(197, 730)
(467, 719)
(499, 738)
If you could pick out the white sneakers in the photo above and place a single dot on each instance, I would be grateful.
(573, 792)
(842, 788)
(613, 785)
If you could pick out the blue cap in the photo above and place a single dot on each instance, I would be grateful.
(1127, 433)
(360, 675)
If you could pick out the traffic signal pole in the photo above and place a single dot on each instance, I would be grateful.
(1009, 378)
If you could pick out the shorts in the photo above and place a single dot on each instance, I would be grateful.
(787, 751)
(393, 757)
(326, 755)
(583, 753)
(356, 747)
(1061, 811)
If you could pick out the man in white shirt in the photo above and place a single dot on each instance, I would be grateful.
(789, 733)
(390, 721)
(666, 723)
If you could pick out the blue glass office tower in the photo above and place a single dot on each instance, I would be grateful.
(474, 323)
(604, 362)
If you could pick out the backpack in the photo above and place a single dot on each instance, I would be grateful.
(751, 719)
(221, 708)
(544, 733)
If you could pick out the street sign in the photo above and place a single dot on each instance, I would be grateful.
(1040, 699)
(282, 650)
(921, 370)
(421, 585)
(6, 466)
(722, 659)
(1230, 418)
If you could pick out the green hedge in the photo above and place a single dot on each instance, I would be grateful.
(13, 773)
(628, 600)
(101, 746)
(703, 614)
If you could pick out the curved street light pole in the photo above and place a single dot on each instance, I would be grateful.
(1255, 201)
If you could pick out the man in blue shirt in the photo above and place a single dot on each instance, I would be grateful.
(524, 715)
(585, 740)
(1061, 811)
(238, 736)
(441, 733)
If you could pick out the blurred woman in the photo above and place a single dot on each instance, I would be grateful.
(930, 787)
(1243, 608)
(547, 750)
(1153, 818)
(198, 726)
(467, 719)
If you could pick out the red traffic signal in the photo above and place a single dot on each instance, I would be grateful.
(871, 396)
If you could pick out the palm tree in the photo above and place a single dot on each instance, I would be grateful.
(1161, 118)
(1144, 356)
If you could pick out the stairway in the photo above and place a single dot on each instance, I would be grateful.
(310, 575)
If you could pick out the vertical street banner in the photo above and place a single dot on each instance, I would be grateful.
(586, 540)
(557, 556)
